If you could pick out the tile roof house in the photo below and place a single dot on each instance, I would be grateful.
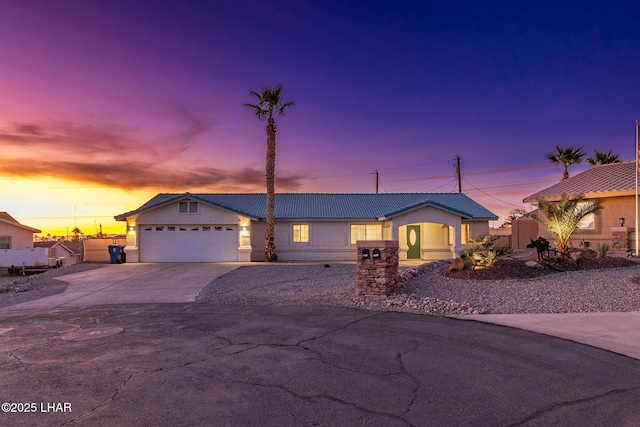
(615, 185)
(14, 235)
(309, 226)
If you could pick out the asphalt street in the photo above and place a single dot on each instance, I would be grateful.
(211, 365)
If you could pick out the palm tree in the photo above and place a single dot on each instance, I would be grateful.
(568, 156)
(77, 233)
(603, 158)
(268, 100)
(561, 218)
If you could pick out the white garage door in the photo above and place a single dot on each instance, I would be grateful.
(186, 243)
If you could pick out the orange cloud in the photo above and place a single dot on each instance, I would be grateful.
(114, 156)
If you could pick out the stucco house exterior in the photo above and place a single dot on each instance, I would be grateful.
(14, 235)
(309, 226)
(65, 251)
(615, 185)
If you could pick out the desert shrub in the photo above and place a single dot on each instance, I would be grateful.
(602, 249)
(484, 253)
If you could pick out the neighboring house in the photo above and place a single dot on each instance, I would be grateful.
(14, 235)
(615, 185)
(309, 226)
(67, 252)
(97, 250)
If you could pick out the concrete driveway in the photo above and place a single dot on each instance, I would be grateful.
(133, 283)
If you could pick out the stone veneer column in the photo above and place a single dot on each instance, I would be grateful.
(377, 275)
(620, 238)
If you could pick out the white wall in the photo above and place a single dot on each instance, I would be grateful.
(328, 241)
(169, 215)
(19, 257)
(20, 237)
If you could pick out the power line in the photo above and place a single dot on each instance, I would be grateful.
(493, 197)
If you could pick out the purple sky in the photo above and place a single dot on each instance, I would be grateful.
(147, 96)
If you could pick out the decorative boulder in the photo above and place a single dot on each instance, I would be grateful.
(533, 264)
(457, 265)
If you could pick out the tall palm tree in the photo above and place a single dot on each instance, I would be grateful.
(562, 218)
(268, 101)
(568, 156)
(603, 158)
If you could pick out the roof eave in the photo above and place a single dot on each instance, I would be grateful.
(17, 224)
(587, 195)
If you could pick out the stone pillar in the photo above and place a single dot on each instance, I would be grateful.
(620, 238)
(377, 266)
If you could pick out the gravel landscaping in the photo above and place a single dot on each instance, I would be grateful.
(426, 289)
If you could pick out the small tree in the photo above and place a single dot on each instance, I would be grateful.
(514, 215)
(562, 218)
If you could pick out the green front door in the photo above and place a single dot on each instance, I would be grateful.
(413, 241)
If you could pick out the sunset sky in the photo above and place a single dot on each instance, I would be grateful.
(103, 104)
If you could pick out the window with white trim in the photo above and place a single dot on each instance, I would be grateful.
(588, 222)
(188, 207)
(5, 242)
(300, 233)
(365, 232)
(464, 238)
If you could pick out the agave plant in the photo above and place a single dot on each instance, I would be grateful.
(484, 253)
(602, 249)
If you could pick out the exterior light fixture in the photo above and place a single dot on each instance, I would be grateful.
(621, 222)
(131, 229)
(244, 231)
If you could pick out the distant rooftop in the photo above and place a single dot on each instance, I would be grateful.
(616, 179)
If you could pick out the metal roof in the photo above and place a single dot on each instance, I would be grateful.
(614, 177)
(329, 205)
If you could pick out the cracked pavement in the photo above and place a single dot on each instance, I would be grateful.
(208, 364)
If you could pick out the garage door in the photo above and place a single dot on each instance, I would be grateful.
(182, 243)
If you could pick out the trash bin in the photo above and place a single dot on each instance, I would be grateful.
(116, 254)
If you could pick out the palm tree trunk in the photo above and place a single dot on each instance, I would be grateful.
(269, 244)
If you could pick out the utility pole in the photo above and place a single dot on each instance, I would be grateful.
(377, 180)
(459, 176)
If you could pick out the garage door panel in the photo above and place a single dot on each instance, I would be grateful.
(181, 243)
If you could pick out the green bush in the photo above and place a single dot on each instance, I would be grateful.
(484, 253)
(602, 249)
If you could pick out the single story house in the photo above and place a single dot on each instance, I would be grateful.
(14, 235)
(615, 185)
(309, 226)
(68, 252)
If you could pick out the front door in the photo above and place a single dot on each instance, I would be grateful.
(413, 241)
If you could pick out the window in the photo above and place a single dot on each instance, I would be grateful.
(588, 222)
(5, 242)
(365, 232)
(188, 207)
(464, 238)
(300, 233)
